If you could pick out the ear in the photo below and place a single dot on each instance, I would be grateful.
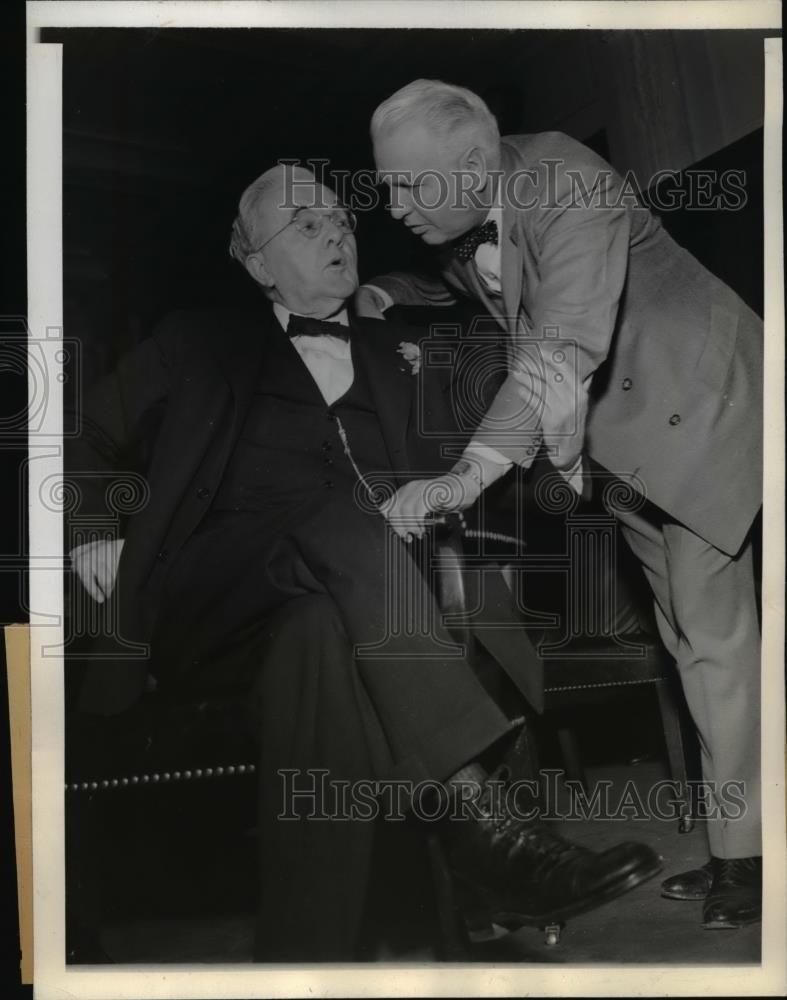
(473, 160)
(255, 265)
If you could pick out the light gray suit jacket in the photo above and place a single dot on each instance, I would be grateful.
(631, 349)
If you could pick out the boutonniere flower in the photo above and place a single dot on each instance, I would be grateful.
(412, 354)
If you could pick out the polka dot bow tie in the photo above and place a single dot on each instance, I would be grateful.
(466, 246)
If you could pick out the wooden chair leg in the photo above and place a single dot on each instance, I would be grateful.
(676, 754)
(572, 758)
(454, 942)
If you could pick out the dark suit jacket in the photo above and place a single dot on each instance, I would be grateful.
(675, 356)
(175, 407)
(173, 411)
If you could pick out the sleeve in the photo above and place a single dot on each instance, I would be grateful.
(582, 236)
(115, 420)
(491, 465)
(387, 301)
(403, 289)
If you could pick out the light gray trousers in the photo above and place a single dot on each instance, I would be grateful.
(707, 616)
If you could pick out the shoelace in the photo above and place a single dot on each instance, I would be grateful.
(733, 871)
(513, 835)
(549, 849)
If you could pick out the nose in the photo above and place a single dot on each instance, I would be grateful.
(399, 204)
(398, 211)
(333, 234)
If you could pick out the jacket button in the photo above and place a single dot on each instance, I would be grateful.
(327, 484)
(327, 446)
(626, 384)
(203, 492)
(163, 555)
(327, 461)
(674, 419)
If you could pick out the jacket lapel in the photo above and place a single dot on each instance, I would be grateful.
(261, 357)
(511, 273)
(391, 385)
(511, 262)
(511, 253)
(235, 355)
(468, 275)
(204, 419)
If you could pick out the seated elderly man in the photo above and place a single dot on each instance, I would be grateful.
(262, 555)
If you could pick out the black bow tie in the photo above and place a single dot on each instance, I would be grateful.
(305, 326)
(466, 245)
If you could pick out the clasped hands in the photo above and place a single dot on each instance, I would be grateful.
(411, 508)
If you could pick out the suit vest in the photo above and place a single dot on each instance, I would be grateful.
(289, 447)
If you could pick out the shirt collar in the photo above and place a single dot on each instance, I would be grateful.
(496, 215)
(282, 314)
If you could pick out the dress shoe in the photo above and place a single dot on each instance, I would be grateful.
(735, 896)
(693, 884)
(521, 873)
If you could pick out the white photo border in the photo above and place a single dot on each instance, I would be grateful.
(52, 978)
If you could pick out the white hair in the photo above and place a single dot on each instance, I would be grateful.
(452, 113)
(244, 236)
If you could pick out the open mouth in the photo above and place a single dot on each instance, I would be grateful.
(338, 261)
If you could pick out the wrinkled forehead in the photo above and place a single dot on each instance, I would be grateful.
(278, 203)
(413, 147)
(307, 192)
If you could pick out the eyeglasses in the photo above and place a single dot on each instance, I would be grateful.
(310, 223)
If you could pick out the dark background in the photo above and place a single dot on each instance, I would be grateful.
(163, 130)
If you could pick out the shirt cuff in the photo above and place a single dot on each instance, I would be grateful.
(490, 454)
(386, 298)
(492, 465)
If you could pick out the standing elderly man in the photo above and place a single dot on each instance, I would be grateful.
(262, 557)
(625, 349)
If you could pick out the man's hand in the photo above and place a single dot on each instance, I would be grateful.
(96, 565)
(368, 303)
(408, 509)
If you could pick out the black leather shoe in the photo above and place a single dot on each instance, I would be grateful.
(735, 896)
(693, 884)
(522, 873)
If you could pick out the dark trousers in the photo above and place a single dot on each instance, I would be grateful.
(289, 622)
(315, 725)
(432, 709)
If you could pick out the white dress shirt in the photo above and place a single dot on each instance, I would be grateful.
(328, 358)
(487, 255)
